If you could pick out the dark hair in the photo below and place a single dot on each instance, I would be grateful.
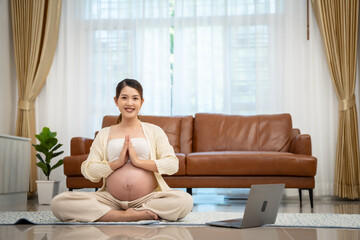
(130, 83)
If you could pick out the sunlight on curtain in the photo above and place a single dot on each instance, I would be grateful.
(233, 57)
(253, 57)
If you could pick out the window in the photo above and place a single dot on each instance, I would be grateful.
(224, 48)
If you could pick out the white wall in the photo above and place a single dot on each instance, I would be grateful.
(8, 92)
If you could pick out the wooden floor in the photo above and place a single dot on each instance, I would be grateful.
(204, 200)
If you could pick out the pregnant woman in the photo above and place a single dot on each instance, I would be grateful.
(130, 158)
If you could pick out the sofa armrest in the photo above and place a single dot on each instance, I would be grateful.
(72, 164)
(301, 144)
(80, 146)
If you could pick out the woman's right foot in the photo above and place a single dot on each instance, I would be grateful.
(128, 215)
(137, 215)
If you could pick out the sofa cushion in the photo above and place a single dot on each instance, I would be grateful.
(218, 132)
(171, 127)
(72, 164)
(250, 164)
(77, 182)
(186, 137)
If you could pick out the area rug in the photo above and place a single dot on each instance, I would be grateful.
(305, 220)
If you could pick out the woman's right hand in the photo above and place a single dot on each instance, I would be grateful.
(123, 156)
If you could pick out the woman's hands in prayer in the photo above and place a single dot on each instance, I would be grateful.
(128, 152)
(123, 156)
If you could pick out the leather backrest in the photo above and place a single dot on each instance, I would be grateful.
(179, 129)
(109, 120)
(219, 132)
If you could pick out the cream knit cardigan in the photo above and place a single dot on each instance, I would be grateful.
(96, 166)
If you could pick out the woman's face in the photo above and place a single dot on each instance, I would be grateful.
(129, 102)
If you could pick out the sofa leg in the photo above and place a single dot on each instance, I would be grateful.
(71, 189)
(189, 191)
(311, 198)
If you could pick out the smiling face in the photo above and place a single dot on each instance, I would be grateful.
(129, 102)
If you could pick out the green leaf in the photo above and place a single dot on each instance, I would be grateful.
(53, 134)
(40, 137)
(41, 148)
(48, 158)
(39, 157)
(50, 142)
(49, 168)
(56, 147)
(43, 167)
(58, 164)
(57, 154)
(45, 132)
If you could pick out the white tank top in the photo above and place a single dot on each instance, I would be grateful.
(140, 145)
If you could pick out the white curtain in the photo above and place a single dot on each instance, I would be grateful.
(100, 43)
(233, 57)
(253, 57)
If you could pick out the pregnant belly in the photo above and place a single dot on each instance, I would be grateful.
(129, 183)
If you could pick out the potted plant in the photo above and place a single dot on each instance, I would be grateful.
(46, 152)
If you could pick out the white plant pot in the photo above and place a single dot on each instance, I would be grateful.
(47, 190)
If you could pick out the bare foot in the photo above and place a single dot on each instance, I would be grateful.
(141, 214)
(128, 215)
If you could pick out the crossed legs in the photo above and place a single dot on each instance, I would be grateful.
(101, 206)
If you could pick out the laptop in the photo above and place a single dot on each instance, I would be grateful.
(261, 208)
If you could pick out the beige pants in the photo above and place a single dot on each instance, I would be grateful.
(90, 206)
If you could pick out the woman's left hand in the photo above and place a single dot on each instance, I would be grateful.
(132, 154)
(144, 164)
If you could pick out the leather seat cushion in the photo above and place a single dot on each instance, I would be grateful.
(246, 163)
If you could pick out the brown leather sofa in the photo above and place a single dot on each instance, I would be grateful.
(222, 151)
